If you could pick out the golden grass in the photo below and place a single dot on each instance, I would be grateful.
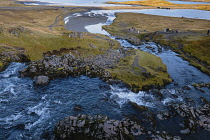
(152, 23)
(36, 43)
(39, 38)
(165, 4)
(199, 48)
(36, 19)
(7, 3)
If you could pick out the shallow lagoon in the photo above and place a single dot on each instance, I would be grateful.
(83, 2)
(101, 2)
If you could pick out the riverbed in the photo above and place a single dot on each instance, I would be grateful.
(30, 112)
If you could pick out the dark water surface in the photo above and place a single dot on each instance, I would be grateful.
(27, 111)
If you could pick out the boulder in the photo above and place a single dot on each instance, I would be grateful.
(77, 108)
(41, 80)
(185, 131)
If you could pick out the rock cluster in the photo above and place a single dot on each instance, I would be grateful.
(63, 66)
(193, 118)
(73, 64)
(74, 34)
(161, 136)
(133, 40)
(88, 127)
(18, 30)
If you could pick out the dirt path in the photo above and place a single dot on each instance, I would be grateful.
(136, 63)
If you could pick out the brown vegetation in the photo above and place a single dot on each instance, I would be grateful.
(165, 4)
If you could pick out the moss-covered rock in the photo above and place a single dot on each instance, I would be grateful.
(11, 54)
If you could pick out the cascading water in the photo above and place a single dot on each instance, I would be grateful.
(29, 112)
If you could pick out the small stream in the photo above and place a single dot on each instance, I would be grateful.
(30, 113)
(180, 70)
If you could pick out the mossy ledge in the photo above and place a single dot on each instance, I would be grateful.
(139, 70)
(11, 54)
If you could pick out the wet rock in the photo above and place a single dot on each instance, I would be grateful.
(163, 115)
(162, 136)
(194, 118)
(77, 108)
(139, 108)
(96, 127)
(186, 87)
(185, 131)
(157, 94)
(70, 65)
(41, 80)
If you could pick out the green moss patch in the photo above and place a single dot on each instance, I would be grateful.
(141, 71)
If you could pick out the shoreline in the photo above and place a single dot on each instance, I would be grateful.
(78, 24)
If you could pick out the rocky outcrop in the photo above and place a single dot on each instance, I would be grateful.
(12, 54)
(192, 118)
(70, 65)
(86, 127)
(99, 127)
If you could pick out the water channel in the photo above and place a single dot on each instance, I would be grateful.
(98, 3)
(29, 112)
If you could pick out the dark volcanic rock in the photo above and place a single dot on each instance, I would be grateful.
(86, 127)
(192, 118)
(63, 66)
(12, 54)
(77, 108)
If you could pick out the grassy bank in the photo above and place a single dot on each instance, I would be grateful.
(194, 49)
(191, 41)
(151, 23)
(141, 70)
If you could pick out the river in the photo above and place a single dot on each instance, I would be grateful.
(30, 113)
(100, 3)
